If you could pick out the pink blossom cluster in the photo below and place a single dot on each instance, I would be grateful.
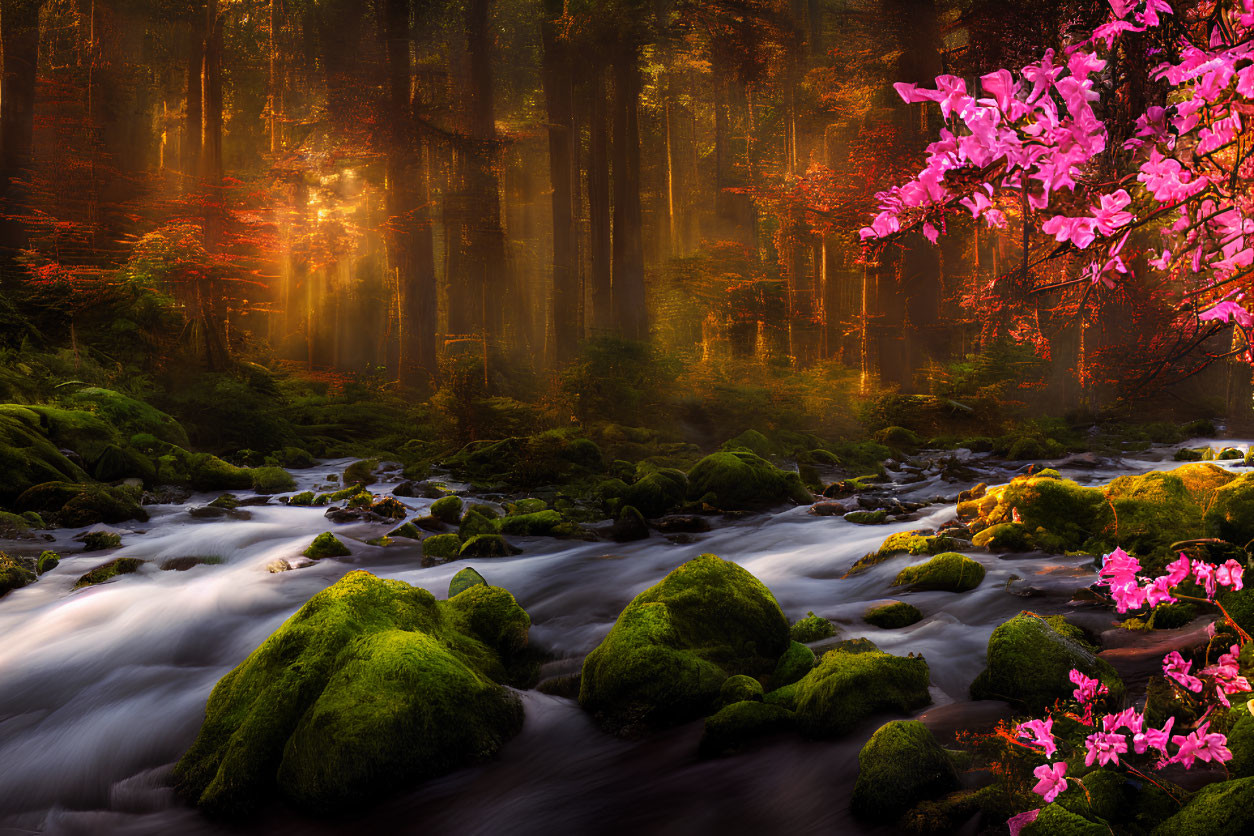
(1130, 591)
(1033, 134)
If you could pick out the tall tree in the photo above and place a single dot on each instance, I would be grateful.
(559, 94)
(19, 51)
(631, 319)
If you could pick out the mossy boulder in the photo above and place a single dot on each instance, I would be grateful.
(117, 463)
(901, 765)
(847, 687)
(657, 493)
(795, 662)
(1056, 820)
(487, 545)
(201, 471)
(753, 441)
(916, 542)
(1005, 537)
(27, 457)
(109, 571)
(443, 546)
(98, 541)
(361, 472)
(491, 615)
(893, 615)
(739, 688)
(463, 580)
(738, 723)
(744, 481)
(535, 524)
(130, 416)
(674, 645)
(899, 438)
(877, 517)
(13, 575)
(475, 522)
(75, 505)
(948, 571)
(371, 686)
(1231, 515)
(326, 544)
(812, 628)
(48, 560)
(406, 530)
(272, 480)
(1215, 810)
(447, 509)
(1029, 664)
(629, 526)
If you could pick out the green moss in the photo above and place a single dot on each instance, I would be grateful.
(98, 541)
(1029, 664)
(13, 575)
(302, 499)
(117, 463)
(1186, 454)
(271, 480)
(1229, 453)
(1056, 820)
(447, 509)
(743, 480)
(369, 687)
(487, 545)
(463, 580)
(752, 441)
(130, 416)
(812, 628)
(675, 644)
(1231, 515)
(737, 724)
(350, 492)
(48, 560)
(389, 507)
(846, 688)
(878, 517)
(1005, 537)
(527, 506)
(795, 662)
(1113, 797)
(657, 493)
(229, 501)
(892, 616)
(202, 472)
(475, 522)
(109, 571)
(1241, 743)
(916, 543)
(27, 457)
(899, 766)
(491, 615)
(406, 530)
(445, 546)
(784, 696)
(1216, 810)
(899, 438)
(75, 505)
(537, 524)
(361, 472)
(326, 544)
(949, 571)
(739, 688)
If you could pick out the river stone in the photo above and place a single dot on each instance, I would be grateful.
(629, 526)
(463, 580)
(744, 481)
(899, 766)
(371, 686)
(13, 574)
(1029, 665)
(674, 645)
(740, 722)
(847, 687)
(950, 571)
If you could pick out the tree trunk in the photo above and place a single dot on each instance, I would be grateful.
(19, 52)
(193, 124)
(599, 203)
(559, 100)
(630, 316)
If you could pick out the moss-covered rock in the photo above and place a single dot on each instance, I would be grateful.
(491, 615)
(13, 575)
(1029, 664)
(812, 628)
(475, 522)
(130, 416)
(1004, 537)
(795, 662)
(302, 500)
(406, 530)
(361, 472)
(109, 571)
(487, 545)
(744, 481)
(443, 546)
(739, 688)
(657, 493)
(117, 463)
(463, 580)
(1231, 515)
(846, 688)
(629, 526)
(326, 544)
(675, 644)
(447, 509)
(901, 765)
(389, 508)
(893, 615)
(98, 541)
(752, 441)
(535, 524)
(272, 480)
(369, 687)
(1056, 820)
(1216, 810)
(948, 571)
(47, 561)
(917, 542)
(738, 723)
(75, 505)
(877, 517)
(27, 457)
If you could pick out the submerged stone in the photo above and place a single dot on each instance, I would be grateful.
(109, 571)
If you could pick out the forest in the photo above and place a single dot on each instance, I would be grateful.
(484, 416)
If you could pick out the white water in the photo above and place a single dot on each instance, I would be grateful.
(102, 689)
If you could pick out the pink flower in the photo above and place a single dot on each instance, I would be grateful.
(1175, 666)
(1178, 570)
(1052, 780)
(1204, 574)
(1153, 738)
(1120, 566)
(1017, 823)
(1226, 674)
(1202, 746)
(1104, 748)
(1158, 592)
(1128, 596)
(1088, 688)
(1228, 311)
(1129, 718)
(1230, 574)
(1042, 735)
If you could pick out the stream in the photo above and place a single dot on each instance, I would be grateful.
(103, 689)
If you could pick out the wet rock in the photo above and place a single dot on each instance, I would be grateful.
(737, 724)
(13, 574)
(892, 616)
(109, 571)
(326, 544)
(487, 545)
(812, 628)
(388, 508)
(166, 495)
(47, 561)
(901, 765)
(682, 523)
(847, 687)
(948, 571)
(182, 564)
(744, 481)
(253, 501)
(430, 523)
(98, 541)
(629, 526)
(878, 517)
(278, 565)
(76, 505)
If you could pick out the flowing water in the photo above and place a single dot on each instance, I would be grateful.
(102, 689)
